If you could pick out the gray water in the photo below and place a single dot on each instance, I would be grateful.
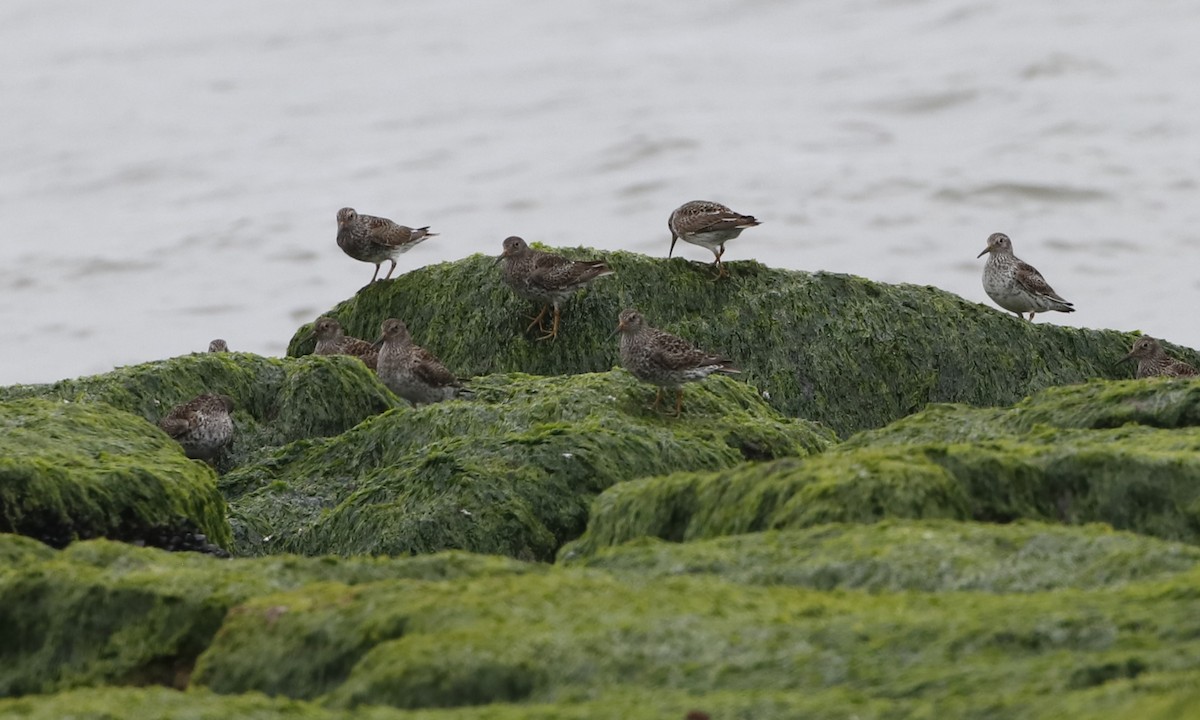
(170, 173)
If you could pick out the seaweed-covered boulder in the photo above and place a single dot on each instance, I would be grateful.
(276, 400)
(511, 472)
(838, 349)
(1148, 696)
(105, 612)
(902, 555)
(565, 635)
(1125, 453)
(82, 470)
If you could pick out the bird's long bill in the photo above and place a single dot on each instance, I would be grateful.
(986, 250)
(377, 344)
(619, 328)
(1125, 359)
(497, 260)
(673, 239)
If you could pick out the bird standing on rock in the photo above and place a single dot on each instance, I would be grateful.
(660, 358)
(546, 278)
(333, 340)
(411, 371)
(375, 239)
(202, 425)
(707, 224)
(1016, 285)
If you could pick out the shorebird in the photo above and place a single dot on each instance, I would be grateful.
(707, 224)
(333, 340)
(411, 371)
(1016, 285)
(201, 425)
(1153, 361)
(546, 278)
(660, 358)
(375, 239)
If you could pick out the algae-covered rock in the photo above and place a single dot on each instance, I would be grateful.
(275, 400)
(838, 349)
(566, 635)
(1055, 457)
(511, 472)
(1149, 696)
(82, 470)
(928, 556)
(105, 612)
(461, 636)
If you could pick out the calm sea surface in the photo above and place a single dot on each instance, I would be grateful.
(170, 172)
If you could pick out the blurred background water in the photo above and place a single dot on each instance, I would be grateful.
(170, 172)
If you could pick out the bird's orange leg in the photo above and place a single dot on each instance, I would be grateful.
(554, 328)
(538, 320)
(720, 266)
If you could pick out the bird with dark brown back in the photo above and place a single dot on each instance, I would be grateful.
(375, 239)
(660, 358)
(546, 278)
(202, 425)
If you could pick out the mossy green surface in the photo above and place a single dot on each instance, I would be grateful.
(462, 636)
(1063, 455)
(1151, 696)
(841, 350)
(82, 470)
(929, 556)
(276, 400)
(510, 472)
(106, 612)
(571, 635)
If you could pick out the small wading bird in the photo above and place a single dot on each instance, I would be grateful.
(1016, 285)
(546, 278)
(1153, 361)
(375, 239)
(411, 371)
(663, 359)
(333, 340)
(707, 224)
(202, 425)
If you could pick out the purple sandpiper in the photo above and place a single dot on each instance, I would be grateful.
(546, 278)
(218, 345)
(375, 239)
(707, 224)
(411, 371)
(660, 358)
(1015, 285)
(202, 425)
(1153, 361)
(333, 340)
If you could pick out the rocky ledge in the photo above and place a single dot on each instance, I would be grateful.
(1009, 527)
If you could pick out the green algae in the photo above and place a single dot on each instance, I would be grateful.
(566, 635)
(276, 400)
(1072, 455)
(838, 349)
(81, 470)
(928, 556)
(105, 612)
(462, 636)
(1151, 696)
(511, 472)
